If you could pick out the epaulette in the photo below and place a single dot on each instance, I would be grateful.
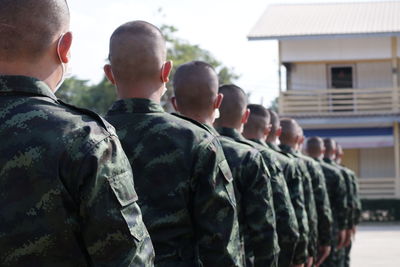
(106, 125)
(192, 121)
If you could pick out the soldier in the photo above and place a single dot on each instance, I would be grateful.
(234, 114)
(67, 194)
(322, 204)
(290, 140)
(196, 96)
(354, 197)
(256, 129)
(337, 196)
(329, 158)
(183, 180)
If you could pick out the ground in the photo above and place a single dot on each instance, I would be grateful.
(377, 245)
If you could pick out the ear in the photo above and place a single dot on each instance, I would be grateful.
(218, 101)
(166, 71)
(109, 74)
(64, 47)
(279, 131)
(267, 130)
(173, 102)
(245, 116)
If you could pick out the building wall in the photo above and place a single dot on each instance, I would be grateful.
(336, 49)
(351, 159)
(309, 76)
(377, 163)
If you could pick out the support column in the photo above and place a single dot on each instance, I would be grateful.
(395, 75)
(396, 136)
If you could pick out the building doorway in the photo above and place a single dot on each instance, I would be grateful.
(341, 77)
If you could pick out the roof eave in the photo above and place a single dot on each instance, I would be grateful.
(322, 36)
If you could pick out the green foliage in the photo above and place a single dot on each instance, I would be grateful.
(100, 97)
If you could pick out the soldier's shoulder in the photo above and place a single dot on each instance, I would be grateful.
(330, 169)
(239, 147)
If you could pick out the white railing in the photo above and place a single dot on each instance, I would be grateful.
(377, 188)
(342, 102)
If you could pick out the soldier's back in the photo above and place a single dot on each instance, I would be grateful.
(60, 171)
(178, 171)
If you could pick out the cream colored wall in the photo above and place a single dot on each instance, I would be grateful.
(309, 76)
(351, 159)
(336, 49)
(377, 163)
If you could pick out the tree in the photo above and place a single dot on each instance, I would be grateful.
(100, 97)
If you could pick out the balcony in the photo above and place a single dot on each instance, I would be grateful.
(339, 102)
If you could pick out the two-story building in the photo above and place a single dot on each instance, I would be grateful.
(339, 77)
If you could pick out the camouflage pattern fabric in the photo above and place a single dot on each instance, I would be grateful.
(184, 185)
(308, 199)
(67, 195)
(295, 185)
(256, 213)
(287, 227)
(336, 187)
(321, 200)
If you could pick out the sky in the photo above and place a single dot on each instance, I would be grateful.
(219, 26)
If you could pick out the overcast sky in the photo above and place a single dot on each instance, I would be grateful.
(220, 26)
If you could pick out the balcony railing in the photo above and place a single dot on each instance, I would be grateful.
(340, 102)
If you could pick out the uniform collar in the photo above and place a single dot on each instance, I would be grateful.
(25, 86)
(135, 105)
(287, 149)
(329, 161)
(211, 129)
(274, 147)
(232, 133)
(260, 142)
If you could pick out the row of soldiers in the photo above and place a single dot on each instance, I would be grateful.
(209, 186)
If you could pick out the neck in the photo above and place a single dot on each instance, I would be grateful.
(222, 124)
(40, 71)
(254, 136)
(202, 118)
(140, 91)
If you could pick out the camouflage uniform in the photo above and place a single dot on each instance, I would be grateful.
(184, 185)
(287, 227)
(337, 196)
(353, 202)
(308, 199)
(255, 204)
(321, 200)
(67, 197)
(295, 186)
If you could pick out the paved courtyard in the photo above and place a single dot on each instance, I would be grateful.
(377, 245)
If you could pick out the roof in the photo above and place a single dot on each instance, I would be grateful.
(301, 21)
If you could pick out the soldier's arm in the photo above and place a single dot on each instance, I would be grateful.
(323, 207)
(358, 207)
(258, 210)
(295, 186)
(341, 201)
(214, 209)
(110, 221)
(350, 198)
(286, 223)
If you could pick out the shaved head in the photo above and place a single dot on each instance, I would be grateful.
(137, 53)
(339, 153)
(274, 120)
(28, 28)
(257, 123)
(330, 147)
(315, 147)
(233, 105)
(290, 131)
(196, 87)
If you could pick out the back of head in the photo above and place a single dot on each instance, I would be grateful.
(137, 53)
(315, 147)
(195, 87)
(28, 28)
(330, 147)
(275, 123)
(233, 106)
(290, 131)
(257, 123)
(339, 153)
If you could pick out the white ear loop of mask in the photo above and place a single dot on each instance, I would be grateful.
(66, 69)
(217, 114)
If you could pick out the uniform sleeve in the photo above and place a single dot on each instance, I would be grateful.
(258, 211)
(350, 198)
(295, 186)
(286, 222)
(214, 209)
(340, 198)
(358, 207)
(323, 206)
(113, 232)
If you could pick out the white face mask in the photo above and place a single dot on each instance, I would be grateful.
(165, 89)
(217, 114)
(66, 70)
